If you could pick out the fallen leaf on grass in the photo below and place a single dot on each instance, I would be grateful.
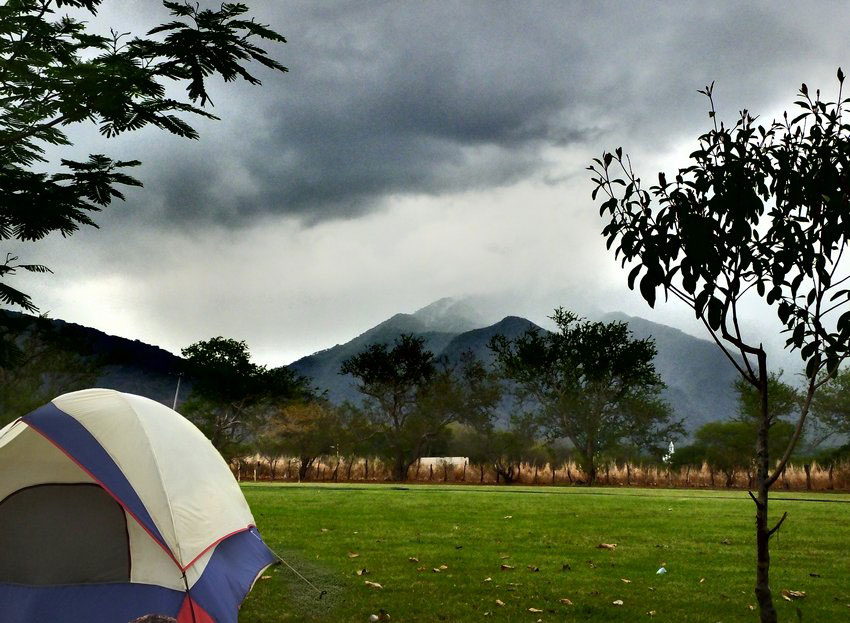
(651, 613)
(443, 567)
(751, 606)
(488, 579)
(566, 567)
(353, 555)
(504, 556)
(533, 568)
(814, 575)
(726, 542)
(788, 595)
(266, 577)
(607, 546)
(625, 581)
(505, 567)
(413, 559)
(324, 529)
(565, 601)
(701, 580)
(535, 610)
(618, 602)
(435, 570)
(421, 568)
(508, 517)
(362, 571)
(499, 602)
(373, 584)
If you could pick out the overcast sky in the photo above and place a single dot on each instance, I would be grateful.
(417, 150)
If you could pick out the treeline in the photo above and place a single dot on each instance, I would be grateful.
(585, 401)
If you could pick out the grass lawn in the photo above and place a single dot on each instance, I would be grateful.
(549, 536)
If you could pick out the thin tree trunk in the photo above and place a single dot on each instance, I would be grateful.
(481, 471)
(463, 478)
(536, 468)
(628, 474)
(349, 464)
(336, 472)
(831, 467)
(808, 469)
(688, 476)
(366, 471)
(430, 473)
(239, 471)
(569, 474)
(445, 472)
(256, 467)
(762, 588)
(553, 473)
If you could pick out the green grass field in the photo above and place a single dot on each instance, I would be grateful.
(550, 537)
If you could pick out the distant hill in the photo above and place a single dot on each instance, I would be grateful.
(122, 364)
(698, 377)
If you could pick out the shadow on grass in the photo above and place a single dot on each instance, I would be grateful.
(285, 596)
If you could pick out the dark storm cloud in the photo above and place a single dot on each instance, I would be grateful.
(435, 97)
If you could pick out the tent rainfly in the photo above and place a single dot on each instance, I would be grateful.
(113, 506)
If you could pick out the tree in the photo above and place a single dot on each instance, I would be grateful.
(307, 430)
(231, 396)
(831, 406)
(410, 399)
(728, 446)
(589, 382)
(54, 74)
(759, 212)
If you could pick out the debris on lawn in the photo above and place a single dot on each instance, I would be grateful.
(488, 579)
(625, 581)
(443, 567)
(508, 517)
(701, 580)
(505, 567)
(353, 555)
(499, 602)
(362, 571)
(617, 602)
(413, 559)
(726, 542)
(565, 601)
(566, 567)
(535, 610)
(533, 568)
(382, 615)
(607, 546)
(373, 584)
(814, 575)
(788, 595)
(651, 613)
(266, 577)
(661, 571)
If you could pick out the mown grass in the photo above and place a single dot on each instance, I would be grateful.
(704, 539)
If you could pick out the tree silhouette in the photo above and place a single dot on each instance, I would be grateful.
(55, 74)
(761, 211)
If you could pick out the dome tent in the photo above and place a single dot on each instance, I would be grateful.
(113, 506)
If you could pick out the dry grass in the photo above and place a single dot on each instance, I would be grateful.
(617, 475)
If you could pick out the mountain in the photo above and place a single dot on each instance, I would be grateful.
(698, 377)
(119, 363)
(438, 323)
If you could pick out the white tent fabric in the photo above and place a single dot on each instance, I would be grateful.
(179, 476)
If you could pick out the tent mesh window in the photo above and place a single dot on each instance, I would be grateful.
(63, 534)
